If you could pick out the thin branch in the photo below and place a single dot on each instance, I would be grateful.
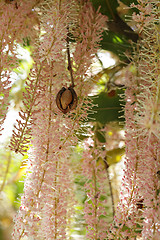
(69, 59)
(100, 61)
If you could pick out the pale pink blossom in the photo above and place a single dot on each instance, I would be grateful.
(96, 179)
(140, 182)
(47, 200)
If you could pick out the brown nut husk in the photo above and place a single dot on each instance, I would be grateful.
(66, 99)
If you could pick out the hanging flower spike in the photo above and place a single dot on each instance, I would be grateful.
(140, 181)
(11, 20)
(96, 179)
(4, 99)
(46, 202)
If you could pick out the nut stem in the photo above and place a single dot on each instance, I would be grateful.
(69, 59)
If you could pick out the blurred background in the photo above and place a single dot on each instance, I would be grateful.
(107, 122)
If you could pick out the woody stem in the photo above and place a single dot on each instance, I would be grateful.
(69, 59)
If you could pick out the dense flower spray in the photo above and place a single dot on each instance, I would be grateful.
(95, 186)
(138, 210)
(15, 25)
(4, 102)
(46, 202)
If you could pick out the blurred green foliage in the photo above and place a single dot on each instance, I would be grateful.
(12, 175)
(108, 107)
(117, 38)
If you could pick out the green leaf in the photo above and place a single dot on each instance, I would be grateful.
(115, 43)
(116, 38)
(107, 108)
(108, 7)
(100, 136)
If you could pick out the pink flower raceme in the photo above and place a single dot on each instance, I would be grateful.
(47, 199)
(140, 181)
